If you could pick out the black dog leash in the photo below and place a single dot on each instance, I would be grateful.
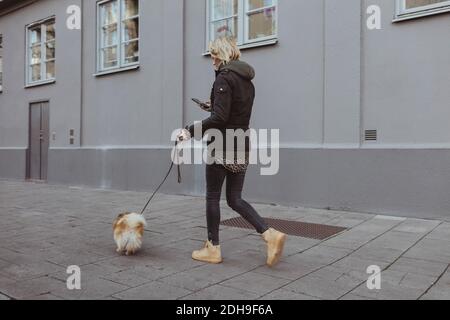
(165, 178)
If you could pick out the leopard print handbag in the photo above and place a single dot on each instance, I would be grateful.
(236, 166)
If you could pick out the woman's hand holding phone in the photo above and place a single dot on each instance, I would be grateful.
(206, 106)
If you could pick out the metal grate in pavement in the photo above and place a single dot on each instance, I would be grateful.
(294, 228)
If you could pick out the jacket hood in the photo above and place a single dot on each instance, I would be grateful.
(241, 68)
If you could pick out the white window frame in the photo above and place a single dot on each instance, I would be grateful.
(120, 43)
(42, 23)
(243, 40)
(402, 13)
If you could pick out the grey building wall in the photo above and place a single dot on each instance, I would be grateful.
(63, 95)
(122, 121)
(326, 81)
(127, 117)
(405, 81)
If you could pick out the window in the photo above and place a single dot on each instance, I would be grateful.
(1, 63)
(41, 40)
(249, 21)
(118, 34)
(421, 7)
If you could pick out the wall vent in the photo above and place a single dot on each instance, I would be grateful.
(371, 135)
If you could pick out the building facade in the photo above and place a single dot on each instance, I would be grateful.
(358, 89)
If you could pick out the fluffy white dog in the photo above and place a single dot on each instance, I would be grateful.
(128, 231)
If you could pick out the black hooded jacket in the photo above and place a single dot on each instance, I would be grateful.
(232, 98)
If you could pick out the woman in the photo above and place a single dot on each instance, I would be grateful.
(232, 99)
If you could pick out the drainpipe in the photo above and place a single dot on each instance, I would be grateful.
(81, 73)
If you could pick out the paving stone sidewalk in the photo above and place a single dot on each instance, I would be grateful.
(44, 229)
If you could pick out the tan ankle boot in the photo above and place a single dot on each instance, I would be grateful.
(275, 245)
(209, 254)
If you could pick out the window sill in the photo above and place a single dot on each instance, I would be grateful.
(420, 14)
(113, 71)
(40, 83)
(263, 43)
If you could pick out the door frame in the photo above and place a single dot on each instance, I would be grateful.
(28, 152)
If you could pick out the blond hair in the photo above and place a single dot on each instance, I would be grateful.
(225, 49)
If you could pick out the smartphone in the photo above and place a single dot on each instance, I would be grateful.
(202, 105)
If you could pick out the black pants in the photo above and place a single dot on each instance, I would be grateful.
(215, 176)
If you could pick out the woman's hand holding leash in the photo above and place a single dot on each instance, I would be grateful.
(184, 135)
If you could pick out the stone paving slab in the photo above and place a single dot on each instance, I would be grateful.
(47, 228)
(389, 291)
(441, 232)
(408, 279)
(437, 250)
(283, 294)
(257, 283)
(219, 292)
(320, 288)
(364, 233)
(291, 271)
(3, 297)
(441, 290)
(428, 268)
(417, 226)
(153, 291)
(321, 254)
(341, 276)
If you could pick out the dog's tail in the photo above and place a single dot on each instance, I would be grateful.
(132, 241)
(132, 238)
(135, 220)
